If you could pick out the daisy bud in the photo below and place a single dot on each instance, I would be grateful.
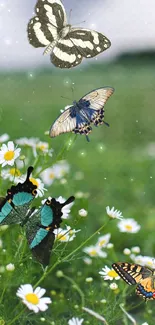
(10, 267)
(113, 286)
(126, 251)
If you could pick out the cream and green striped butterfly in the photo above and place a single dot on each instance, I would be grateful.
(68, 45)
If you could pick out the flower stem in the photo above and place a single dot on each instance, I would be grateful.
(68, 256)
(76, 287)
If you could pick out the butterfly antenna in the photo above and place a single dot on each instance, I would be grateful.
(72, 88)
(80, 22)
(70, 13)
(87, 138)
(107, 124)
(65, 97)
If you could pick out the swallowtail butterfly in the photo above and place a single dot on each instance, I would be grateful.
(78, 117)
(68, 45)
(39, 224)
(137, 274)
(40, 228)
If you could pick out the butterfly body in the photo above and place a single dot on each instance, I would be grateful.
(134, 274)
(78, 117)
(68, 45)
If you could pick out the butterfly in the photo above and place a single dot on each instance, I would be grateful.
(14, 206)
(40, 228)
(39, 224)
(78, 117)
(143, 276)
(68, 45)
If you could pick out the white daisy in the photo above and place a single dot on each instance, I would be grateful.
(4, 137)
(114, 214)
(40, 186)
(33, 299)
(95, 251)
(8, 154)
(75, 321)
(109, 274)
(13, 174)
(128, 225)
(43, 146)
(57, 171)
(103, 240)
(143, 260)
(30, 142)
(65, 235)
(83, 213)
(66, 209)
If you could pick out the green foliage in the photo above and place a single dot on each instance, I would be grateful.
(118, 169)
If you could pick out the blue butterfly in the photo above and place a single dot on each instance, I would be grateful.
(78, 117)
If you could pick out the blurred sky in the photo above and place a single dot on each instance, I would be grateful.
(129, 24)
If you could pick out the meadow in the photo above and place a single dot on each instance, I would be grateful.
(115, 169)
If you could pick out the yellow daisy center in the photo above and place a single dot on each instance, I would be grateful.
(9, 155)
(112, 273)
(102, 242)
(51, 175)
(14, 172)
(93, 252)
(32, 298)
(61, 237)
(42, 147)
(128, 227)
(34, 181)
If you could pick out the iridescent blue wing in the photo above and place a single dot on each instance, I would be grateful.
(40, 226)
(78, 118)
(14, 207)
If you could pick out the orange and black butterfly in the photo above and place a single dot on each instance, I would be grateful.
(137, 274)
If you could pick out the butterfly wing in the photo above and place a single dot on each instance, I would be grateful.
(79, 43)
(98, 97)
(13, 208)
(50, 18)
(137, 274)
(66, 122)
(65, 54)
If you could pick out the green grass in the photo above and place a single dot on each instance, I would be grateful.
(122, 175)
